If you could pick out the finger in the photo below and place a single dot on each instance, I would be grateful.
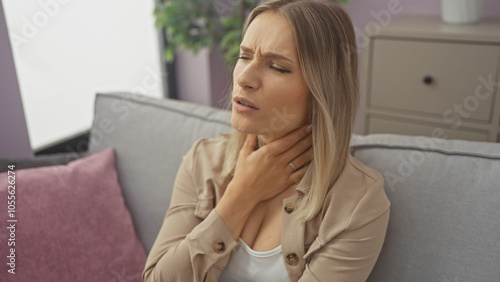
(249, 145)
(297, 175)
(303, 158)
(288, 141)
(297, 149)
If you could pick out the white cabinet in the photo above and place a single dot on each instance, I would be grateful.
(422, 75)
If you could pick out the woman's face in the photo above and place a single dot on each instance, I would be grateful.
(270, 96)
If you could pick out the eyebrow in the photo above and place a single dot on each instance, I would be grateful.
(269, 55)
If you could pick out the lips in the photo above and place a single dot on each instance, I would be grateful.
(245, 102)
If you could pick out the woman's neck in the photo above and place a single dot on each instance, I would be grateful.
(264, 139)
(259, 142)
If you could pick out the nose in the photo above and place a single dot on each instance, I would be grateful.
(248, 78)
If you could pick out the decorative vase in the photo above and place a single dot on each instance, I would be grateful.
(461, 11)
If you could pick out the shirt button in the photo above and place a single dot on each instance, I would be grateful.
(290, 207)
(292, 259)
(219, 247)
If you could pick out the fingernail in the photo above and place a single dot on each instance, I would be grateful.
(308, 129)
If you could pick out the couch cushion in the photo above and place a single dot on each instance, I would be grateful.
(150, 137)
(445, 216)
(69, 224)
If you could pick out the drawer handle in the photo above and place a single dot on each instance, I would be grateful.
(428, 79)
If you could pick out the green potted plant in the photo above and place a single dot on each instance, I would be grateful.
(197, 24)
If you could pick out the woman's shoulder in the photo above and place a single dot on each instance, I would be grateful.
(357, 179)
(210, 147)
(358, 192)
(369, 175)
(206, 156)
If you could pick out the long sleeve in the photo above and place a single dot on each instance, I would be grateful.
(189, 247)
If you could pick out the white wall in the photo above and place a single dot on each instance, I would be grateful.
(67, 50)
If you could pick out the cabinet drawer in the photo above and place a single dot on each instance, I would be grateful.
(399, 67)
(380, 125)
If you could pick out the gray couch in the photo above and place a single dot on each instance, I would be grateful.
(445, 194)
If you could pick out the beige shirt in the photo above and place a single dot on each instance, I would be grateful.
(341, 243)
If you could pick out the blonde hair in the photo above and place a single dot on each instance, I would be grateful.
(326, 48)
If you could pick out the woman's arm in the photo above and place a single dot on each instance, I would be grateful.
(184, 247)
(189, 248)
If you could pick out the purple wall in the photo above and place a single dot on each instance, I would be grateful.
(14, 139)
(220, 79)
(203, 77)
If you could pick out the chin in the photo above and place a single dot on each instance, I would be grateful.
(245, 125)
(242, 128)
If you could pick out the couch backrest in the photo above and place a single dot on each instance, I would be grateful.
(445, 195)
(150, 136)
(445, 207)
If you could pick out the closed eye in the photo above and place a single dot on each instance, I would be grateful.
(244, 58)
(279, 70)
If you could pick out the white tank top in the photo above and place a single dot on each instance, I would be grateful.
(247, 265)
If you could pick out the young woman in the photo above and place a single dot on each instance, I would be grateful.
(281, 198)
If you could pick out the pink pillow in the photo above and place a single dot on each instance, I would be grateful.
(72, 224)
